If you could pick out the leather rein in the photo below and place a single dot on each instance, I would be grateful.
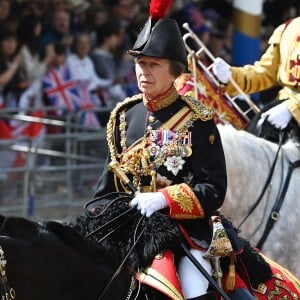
(137, 237)
(274, 214)
(114, 224)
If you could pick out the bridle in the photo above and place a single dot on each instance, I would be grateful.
(266, 184)
(275, 212)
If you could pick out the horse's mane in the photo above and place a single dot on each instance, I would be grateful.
(158, 233)
(26, 230)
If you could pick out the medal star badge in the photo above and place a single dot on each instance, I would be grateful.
(174, 164)
(153, 149)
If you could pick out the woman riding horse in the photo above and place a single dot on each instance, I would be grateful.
(170, 148)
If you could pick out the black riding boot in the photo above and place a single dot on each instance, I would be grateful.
(208, 296)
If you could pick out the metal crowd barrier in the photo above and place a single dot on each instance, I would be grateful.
(51, 176)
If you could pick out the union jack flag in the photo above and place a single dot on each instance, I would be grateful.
(60, 88)
(5, 131)
(17, 129)
(86, 103)
(66, 93)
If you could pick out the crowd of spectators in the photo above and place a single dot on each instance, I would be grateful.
(95, 35)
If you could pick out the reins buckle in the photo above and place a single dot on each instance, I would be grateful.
(275, 215)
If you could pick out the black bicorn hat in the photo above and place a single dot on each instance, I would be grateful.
(160, 37)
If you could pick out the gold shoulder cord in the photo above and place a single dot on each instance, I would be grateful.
(110, 129)
(111, 124)
(201, 111)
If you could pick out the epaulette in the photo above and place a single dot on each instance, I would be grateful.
(129, 100)
(202, 112)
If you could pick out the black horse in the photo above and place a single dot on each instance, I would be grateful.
(52, 261)
(77, 260)
(95, 256)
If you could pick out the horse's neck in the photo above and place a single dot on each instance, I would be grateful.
(292, 150)
(249, 160)
(244, 149)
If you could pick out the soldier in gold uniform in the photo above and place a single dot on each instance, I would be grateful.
(279, 65)
(170, 148)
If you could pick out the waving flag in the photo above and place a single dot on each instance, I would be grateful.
(65, 92)
(60, 88)
(86, 102)
(208, 95)
(16, 130)
(5, 131)
(28, 129)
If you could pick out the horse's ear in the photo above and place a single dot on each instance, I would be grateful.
(17, 227)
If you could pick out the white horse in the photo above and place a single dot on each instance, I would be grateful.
(249, 161)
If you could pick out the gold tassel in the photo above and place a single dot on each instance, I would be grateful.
(230, 282)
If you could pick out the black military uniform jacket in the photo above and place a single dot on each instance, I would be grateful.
(180, 146)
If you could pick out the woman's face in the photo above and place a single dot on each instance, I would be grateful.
(83, 46)
(9, 46)
(38, 29)
(153, 75)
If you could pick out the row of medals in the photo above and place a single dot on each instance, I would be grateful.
(167, 147)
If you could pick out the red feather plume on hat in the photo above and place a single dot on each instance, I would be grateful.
(159, 8)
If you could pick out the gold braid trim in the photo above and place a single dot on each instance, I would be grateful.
(111, 124)
(201, 111)
(183, 202)
(111, 141)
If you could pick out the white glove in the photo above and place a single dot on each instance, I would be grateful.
(279, 115)
(222, 70)
(148, 203)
